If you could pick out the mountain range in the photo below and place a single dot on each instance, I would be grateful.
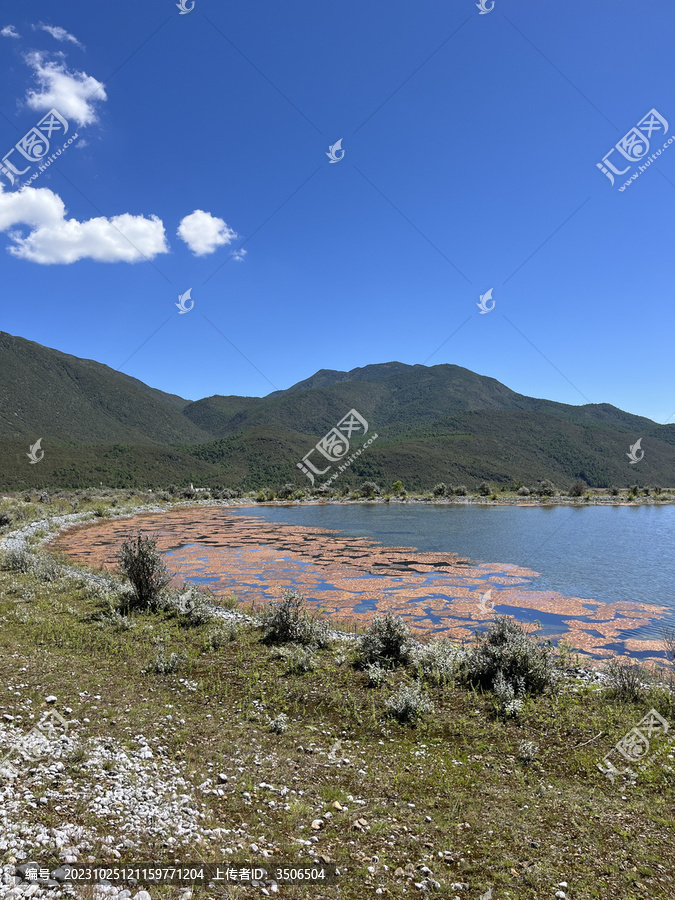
(436, 423)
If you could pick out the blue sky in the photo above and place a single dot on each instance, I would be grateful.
(470, 148)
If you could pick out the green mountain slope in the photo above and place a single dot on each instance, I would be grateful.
(439, 423)
(47, 393)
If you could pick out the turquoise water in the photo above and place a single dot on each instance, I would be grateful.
(609, 554)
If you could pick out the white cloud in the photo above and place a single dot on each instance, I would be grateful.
(10, 31)
(53, 239)
(73, 94)
(60, 34)
(203, 233)
(239, 255)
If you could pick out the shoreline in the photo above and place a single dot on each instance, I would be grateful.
(257, 559)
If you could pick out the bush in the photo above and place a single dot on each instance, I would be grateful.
(546, 488)
(279, 724)
(508, 654)
(290, 622)
(505, 692)
(527, 751)
(387, 642)
(484, 489)
(437, 662)
(523, 491)
(143, 565)
(577, 489)
(369, 489)
(111, 617)
(300, 660)
(628, 680)
(441, 490)
(167, 664)
(397, 488)
(460, 490)
(44, 567)
(376, 675)
(6, 521)
(409, 704)
(219, 635)
(286, 492)
(16, 561)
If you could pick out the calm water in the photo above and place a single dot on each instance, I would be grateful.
(609, 554)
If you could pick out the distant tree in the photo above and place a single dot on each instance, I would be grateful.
(523, 491)
(484, 489)
(397, 487)
(577, 489)
(441, 490)
(546, 488)
(460, 490)
(286, 492)
(369, 489)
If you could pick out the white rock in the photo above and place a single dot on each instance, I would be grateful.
(51, 699)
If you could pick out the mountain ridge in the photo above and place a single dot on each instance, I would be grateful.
(436, 423)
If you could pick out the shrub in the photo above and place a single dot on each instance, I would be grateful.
(290, 622)
(437, 662)
(143, 565)
(397, 487)
(628, 680)
(299, 659)
(286, 492)
(409, 704)
(279, 724)
(387, 642)
(16, 561)
(507, 653)
(484, 489)
(577, 489)
(505, 692)
(111, 617)
(523, 491)
(44, 567)
(527, 751)
(460, 490)
(6, 521)
(546, 488)
(219, 635)
(376, 675)
(167, 664)
(369, 489)
(441, 490)
(614, 491)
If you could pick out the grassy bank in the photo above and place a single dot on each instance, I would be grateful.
(294, 749)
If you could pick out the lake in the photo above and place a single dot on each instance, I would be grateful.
(600, 576)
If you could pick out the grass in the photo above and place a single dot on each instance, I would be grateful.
(514, 804)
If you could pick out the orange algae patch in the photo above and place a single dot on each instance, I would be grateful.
(355, 578)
